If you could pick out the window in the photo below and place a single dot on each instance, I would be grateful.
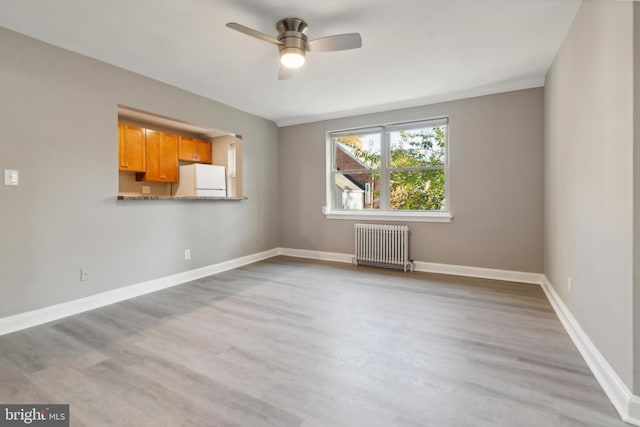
(393, 170)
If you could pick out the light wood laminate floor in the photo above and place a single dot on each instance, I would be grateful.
(290, 342)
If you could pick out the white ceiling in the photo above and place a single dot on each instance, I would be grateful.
(414, 52)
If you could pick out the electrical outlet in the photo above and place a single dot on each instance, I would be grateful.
(569, 284)
(84, 275)
(11, 177)
(187, 254)
(146, 189)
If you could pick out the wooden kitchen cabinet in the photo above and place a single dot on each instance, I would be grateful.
(203, 151)
(186, 148)
(161, 157)
(195, 150)
(131, 148)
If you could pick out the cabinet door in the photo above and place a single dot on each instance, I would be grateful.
(131, 148)
(162, 157)
(203, 151)
(186, 149)
(154, 150)
(169, 157)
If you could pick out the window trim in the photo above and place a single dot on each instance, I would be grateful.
(385, 170)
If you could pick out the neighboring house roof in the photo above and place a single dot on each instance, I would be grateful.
(346, 183)
(346, 160)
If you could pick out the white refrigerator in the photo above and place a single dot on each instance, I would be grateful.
(202, 180)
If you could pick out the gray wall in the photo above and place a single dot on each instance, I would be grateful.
(58, 127)
(496, 153)
(589, 177)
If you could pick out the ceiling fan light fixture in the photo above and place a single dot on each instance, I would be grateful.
(293, 43)
(292, 57)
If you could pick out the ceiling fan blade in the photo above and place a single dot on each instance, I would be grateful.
(253, 33)
(337, 42)
(285, 73)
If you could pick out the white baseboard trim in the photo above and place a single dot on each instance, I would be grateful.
(428, 267)
(321, 256)
(58, 311)
(627, 404)
(479, 272)
(633, 416)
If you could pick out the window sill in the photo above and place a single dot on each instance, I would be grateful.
(391, 216)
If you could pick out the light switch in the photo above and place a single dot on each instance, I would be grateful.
(11, 177)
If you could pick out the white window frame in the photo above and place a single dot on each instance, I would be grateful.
(331, 212)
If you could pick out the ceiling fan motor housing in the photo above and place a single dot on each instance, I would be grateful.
(292, 35)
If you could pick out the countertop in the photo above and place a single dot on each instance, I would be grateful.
(152, 197)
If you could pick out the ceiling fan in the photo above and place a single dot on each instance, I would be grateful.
(293, 43)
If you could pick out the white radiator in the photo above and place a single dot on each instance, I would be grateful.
(383, 246)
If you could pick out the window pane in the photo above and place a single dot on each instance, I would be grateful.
(417, 147)
(417, 190)
(357, 191)
(357, 152)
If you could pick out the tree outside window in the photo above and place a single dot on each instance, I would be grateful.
(399, 167)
